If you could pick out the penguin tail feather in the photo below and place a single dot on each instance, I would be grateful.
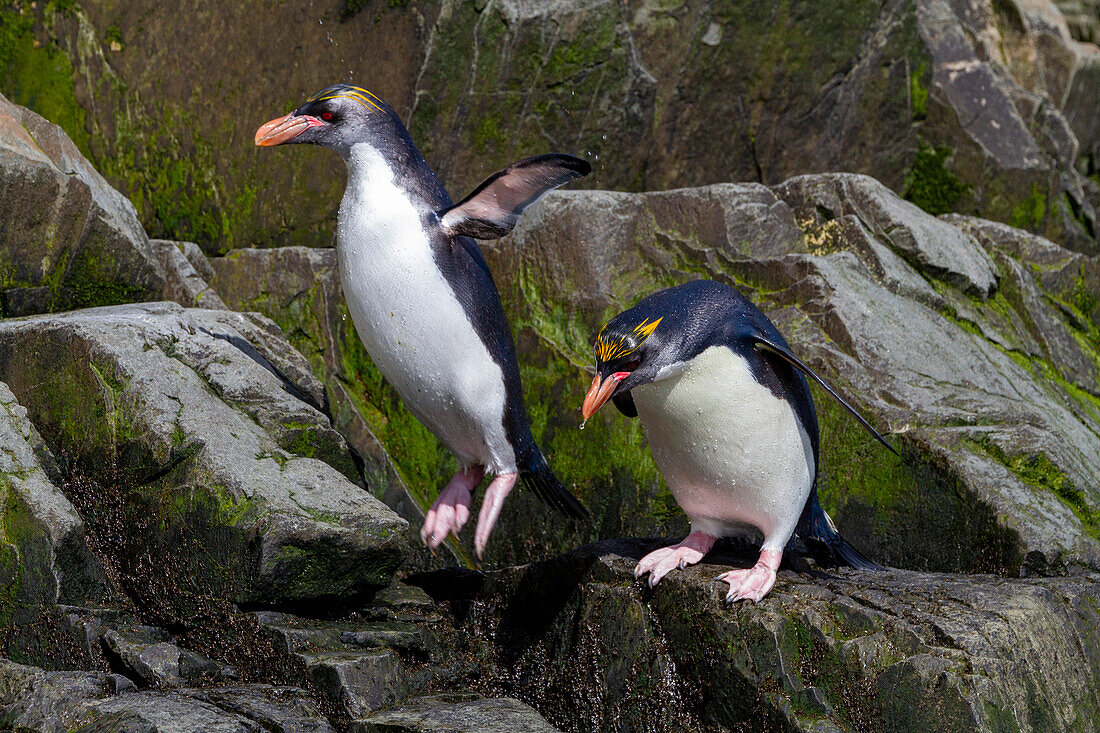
(824, 541)
(539, 478)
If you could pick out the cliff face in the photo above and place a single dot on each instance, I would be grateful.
(979, 108)
(209, 497)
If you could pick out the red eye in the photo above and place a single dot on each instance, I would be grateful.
(326, 116)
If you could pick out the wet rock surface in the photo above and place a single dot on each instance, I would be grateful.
(593, 649)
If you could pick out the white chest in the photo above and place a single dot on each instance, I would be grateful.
(733, 454)
(409, 319)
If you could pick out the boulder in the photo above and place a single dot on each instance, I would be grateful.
(196, 450)
(69, 239)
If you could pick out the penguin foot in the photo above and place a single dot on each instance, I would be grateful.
(451, 509)
(754, 583)
(491, 505)
(660, 562)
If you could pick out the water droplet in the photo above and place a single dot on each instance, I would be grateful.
(583, 423)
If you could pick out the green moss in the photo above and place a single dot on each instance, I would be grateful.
(35, 73)
(113, 35)
(930, 184)
(918, 91)
(1031, 212)
(1039, 471)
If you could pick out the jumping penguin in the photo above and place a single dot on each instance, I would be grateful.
(423, 301)
(731, 424)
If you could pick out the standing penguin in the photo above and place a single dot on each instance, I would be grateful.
(731, 424)
(423, 300)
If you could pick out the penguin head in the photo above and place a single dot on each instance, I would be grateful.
(337, 117)
(655, 339)
(628, 354)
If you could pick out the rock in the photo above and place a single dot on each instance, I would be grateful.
(455, 713)
(357, 683)
(931, 246)
(274, 707)
(149, 657)
(33, 699)
(985, 373)
(193, 448)
(590, 648)
(979, 106)
(186, 285)
(1082, 18)
(161, 712)
(69, 239)
(358, 665)
(45, 557)
(299, 288)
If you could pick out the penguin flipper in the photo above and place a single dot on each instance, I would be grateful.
(492, 209)
(538, 477)
(764, 344)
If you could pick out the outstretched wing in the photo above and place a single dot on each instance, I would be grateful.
(766, 345)
(492, 209)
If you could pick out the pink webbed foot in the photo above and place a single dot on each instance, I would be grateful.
(451, 509)
(491, 505)
(660, 562)
(754, 583)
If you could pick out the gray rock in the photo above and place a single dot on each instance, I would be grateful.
(69, 239)
(275, 707)
(931, 246)
(149, 657)
(159, 401)
(973, 354)
(162, 712)
(33, 699)
(185, 283)
(455, 713)
(45, 557)
(585, 643)
(357, 683)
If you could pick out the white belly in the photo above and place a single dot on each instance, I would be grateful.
(732, 453)
(410, 321)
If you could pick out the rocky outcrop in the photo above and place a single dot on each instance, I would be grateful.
(593, 649)
(977, 107)
(188, 429)
(45, 558)
(70, 240)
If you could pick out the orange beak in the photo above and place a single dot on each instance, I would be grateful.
(599, 393)
(282, 129)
